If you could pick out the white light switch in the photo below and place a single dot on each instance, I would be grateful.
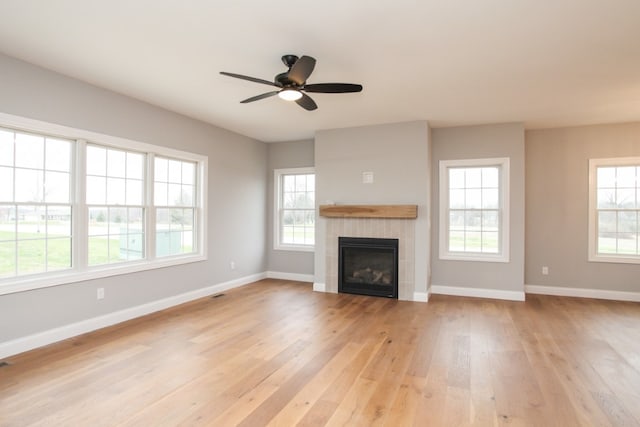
(545, 270)
(367, 177)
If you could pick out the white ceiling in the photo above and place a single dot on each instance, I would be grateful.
(452, 62)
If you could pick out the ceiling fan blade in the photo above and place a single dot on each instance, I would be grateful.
(301, 70)
(333, 88)
(306, 102)
(259, 97)
(251, 79)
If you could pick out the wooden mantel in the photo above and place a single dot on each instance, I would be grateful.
(369, 211)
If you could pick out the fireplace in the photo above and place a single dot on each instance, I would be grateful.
(368, 266)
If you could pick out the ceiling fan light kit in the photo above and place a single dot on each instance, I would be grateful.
(290, 94)
(293, 83)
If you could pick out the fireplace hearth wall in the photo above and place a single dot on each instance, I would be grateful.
(401, 229)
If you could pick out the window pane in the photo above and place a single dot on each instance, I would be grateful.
(58, 221)
(96, 160)
(29, 151)
(8, 223)
(627, 222)
(175, 195)
(98, 221)
(58, 254)
(134, 192)
(31, 256)
(490, 177)
(6, 184)
(187, 195)
(607, 222)
(96, 190)
(490, 198)
(98, 250)
(135, 165)
(456, 220)
(473, 241)
(188, 173)
(456, 241)
(289, 183)
(116, 163)
(301, 182)
(175, 171)
(161, 168)
(607, 243)
(473, 220)
(626, 177)
(7, 258)
(626, 198)
(490, 242)
(456, 178)
(160, 194)
(606, 177)
(57, 187)
(473, 199)
(311, 183)
(58, 154)
(456, 199)
(473, 177)
(29, 185)
(490, 221)
(115, 191)
(606, 198)
(6, 148)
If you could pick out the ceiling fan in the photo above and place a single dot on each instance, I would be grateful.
(292, 84)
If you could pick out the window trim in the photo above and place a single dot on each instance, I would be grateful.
(81, 271)
(277, 189)
(593, 255)
(443, 229)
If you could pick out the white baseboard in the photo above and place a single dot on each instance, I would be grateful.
(583, 293)
(290, 276)
(478, 293)
(50, 336)
(421, 296)
(319, 287)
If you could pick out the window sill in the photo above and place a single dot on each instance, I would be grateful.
(616, 259)
(14, 285)
(295, 248)
(473, 257)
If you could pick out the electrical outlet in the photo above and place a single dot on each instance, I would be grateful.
(545, 270)
(232, 265)
(100, 293)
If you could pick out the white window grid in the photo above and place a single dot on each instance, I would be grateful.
(294, 209)
(614, 210)
(474, 210)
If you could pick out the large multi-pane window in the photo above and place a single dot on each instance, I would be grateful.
(35, 203)
(175, 204)
(116, 205)
(614, 200)
(76, 205)
(294, 208)
(474, 210)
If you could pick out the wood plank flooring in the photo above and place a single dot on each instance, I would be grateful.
(274, 353)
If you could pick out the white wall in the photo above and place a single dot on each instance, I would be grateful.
(237, 198)
(476, 142)
(398, 155)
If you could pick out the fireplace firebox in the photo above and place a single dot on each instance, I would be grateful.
(368, 266)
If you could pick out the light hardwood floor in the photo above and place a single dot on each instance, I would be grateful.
(275, 353)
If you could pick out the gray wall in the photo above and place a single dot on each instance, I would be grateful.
(237, 197)
(557, 206)
(476, 142)
(398, 155)
(282, 155)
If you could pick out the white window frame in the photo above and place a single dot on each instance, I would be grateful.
(80, 271)
(594, 256)
(278, 174)
(443, 241)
